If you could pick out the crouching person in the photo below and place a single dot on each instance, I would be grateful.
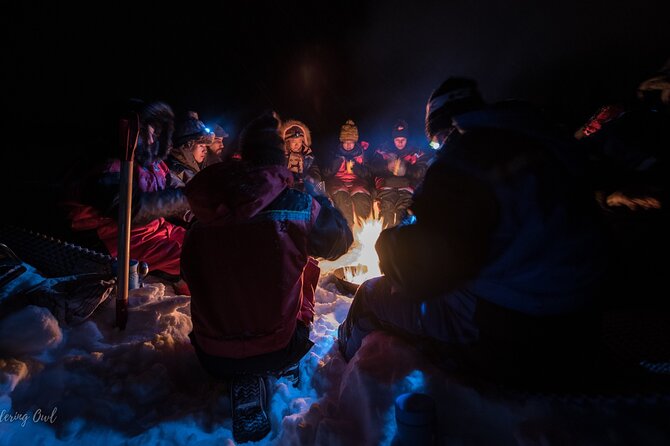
(503, 264)
(248, 260)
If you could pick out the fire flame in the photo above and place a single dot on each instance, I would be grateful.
(366, 264)
(361, 262)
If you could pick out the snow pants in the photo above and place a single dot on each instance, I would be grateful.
(460, 331)
(393, 204)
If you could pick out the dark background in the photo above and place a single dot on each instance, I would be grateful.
(320, 62)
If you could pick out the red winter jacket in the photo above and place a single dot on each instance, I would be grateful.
(152, 238)
(246, 258)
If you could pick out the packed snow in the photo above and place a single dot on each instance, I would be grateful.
(93, 384)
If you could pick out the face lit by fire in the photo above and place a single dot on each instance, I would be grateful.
(199, 152)
(348, 144)
(217, 146)
(295, 144)
(400, 142)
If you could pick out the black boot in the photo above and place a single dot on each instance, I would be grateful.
(249, 401)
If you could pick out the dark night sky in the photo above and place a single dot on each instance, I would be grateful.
(320, 62)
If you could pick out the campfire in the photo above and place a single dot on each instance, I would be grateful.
(366, 264)
(361, 262)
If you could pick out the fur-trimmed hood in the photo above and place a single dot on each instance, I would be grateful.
(160, 116)
(294, 122)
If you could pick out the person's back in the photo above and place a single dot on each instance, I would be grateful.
(504, 249)
(247, 260)
(245, 255)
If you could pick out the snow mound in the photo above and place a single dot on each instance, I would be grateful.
(29, 331)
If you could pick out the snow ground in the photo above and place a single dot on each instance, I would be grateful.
(92, 384)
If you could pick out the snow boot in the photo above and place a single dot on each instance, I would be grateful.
(248, 396)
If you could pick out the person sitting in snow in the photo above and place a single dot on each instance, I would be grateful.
(191, 141)
(298, 150)
(504, 256)
(248, 261)
(347, 176)
(94, 200)
(628, 143)
(398, 168)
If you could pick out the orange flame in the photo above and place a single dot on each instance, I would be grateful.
(367, 262)
(361, 262)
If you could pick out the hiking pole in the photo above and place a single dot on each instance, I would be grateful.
(129, 128)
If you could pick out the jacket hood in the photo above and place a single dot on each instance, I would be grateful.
(295, 123)
(184, 156)
(235, 191)
(159, 115)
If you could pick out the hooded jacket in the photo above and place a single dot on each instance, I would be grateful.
(94, 201)
(245, 257)
(502, 215)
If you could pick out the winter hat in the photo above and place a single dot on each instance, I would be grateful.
(260, 142)
(400, 129)
(190, 128)
(349, 131)
(219, 132)
(455, 96)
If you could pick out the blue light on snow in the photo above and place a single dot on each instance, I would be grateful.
(416, 380)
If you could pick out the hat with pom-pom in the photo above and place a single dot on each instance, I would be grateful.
(349, 131)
